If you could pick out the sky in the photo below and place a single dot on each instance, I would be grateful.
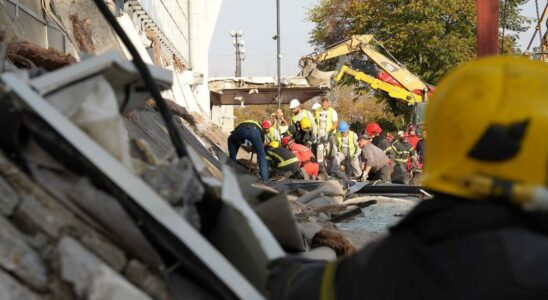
(257, 20)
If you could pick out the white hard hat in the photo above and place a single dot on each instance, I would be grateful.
(294, 103)
(316, 106)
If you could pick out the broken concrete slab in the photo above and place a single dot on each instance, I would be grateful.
(20, 259)
(11, 289)
(92, 278)
(112, 255)
(331, 188)
(9, 198)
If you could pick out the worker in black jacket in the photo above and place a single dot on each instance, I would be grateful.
(249, 131)
(282, 162)
(485, 233)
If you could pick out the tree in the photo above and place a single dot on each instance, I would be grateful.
(428, 37)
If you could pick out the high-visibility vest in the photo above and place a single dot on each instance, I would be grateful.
(272, 135)
(304, 113)
(329, 122)
(351, 145)
(253, 122)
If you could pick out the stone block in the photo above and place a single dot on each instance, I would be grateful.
(19, 258)
(11, 289)
(8, 198)
(109, 253)
(138, 274)
(91, 277)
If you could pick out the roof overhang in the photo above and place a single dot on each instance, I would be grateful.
(264, 95)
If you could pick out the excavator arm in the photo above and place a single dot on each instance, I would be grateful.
(395, 79)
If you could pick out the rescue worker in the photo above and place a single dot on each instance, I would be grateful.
(347, 152)
(485, 233)
(304, 134)
(270, 133)
(376, 164)
(326, 121)
(307, 161)
(281, 161)
(279, 121)
(298, 115)
(413, 137)
(251, 131)
(420, 147)
(400, 152)
(374, 130)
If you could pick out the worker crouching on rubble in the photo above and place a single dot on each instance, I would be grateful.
(282, 161)
(249, 131)
(376, 164)
(307, 161)
(485, 233)
(347, 153)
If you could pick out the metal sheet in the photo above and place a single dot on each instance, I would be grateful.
(136, 189)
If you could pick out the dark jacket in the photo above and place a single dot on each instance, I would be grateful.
(447, 248)
(381, 142)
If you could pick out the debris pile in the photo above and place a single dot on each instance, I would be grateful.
(96, 204)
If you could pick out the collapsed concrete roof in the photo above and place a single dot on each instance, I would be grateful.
(261, 90)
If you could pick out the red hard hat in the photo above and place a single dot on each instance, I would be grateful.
(286, 140)
(373, 129)
(265, 124)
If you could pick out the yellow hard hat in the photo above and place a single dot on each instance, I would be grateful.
(487, 132)
(274, 144)
(306, 124)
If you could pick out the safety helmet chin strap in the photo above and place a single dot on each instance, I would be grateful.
(529, 197)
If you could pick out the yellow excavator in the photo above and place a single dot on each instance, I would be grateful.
(377, 70)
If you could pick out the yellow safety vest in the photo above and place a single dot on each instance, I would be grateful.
(304, 112)
(271, 135)
(252, 122)
(329, 122)
(351, 145)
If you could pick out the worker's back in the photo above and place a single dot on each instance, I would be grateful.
(451, 248)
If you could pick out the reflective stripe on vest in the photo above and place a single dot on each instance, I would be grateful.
(282, 163)
(327, 288)
(351, 146)
(329, 122)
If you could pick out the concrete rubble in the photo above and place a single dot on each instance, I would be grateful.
(95, 203)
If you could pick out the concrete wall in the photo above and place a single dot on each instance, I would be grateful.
(203, 17)
(223, 116)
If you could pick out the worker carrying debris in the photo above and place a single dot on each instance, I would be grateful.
(376, 164)
(485, 233)
(307, 161)
(348, 152)
(281, 161)
(302, 127)
(326, 121)
(252, 132)
(401, 152)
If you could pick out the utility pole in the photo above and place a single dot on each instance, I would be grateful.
(278, 53)
(238, 43)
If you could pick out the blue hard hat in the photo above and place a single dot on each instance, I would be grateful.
(343, 127)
